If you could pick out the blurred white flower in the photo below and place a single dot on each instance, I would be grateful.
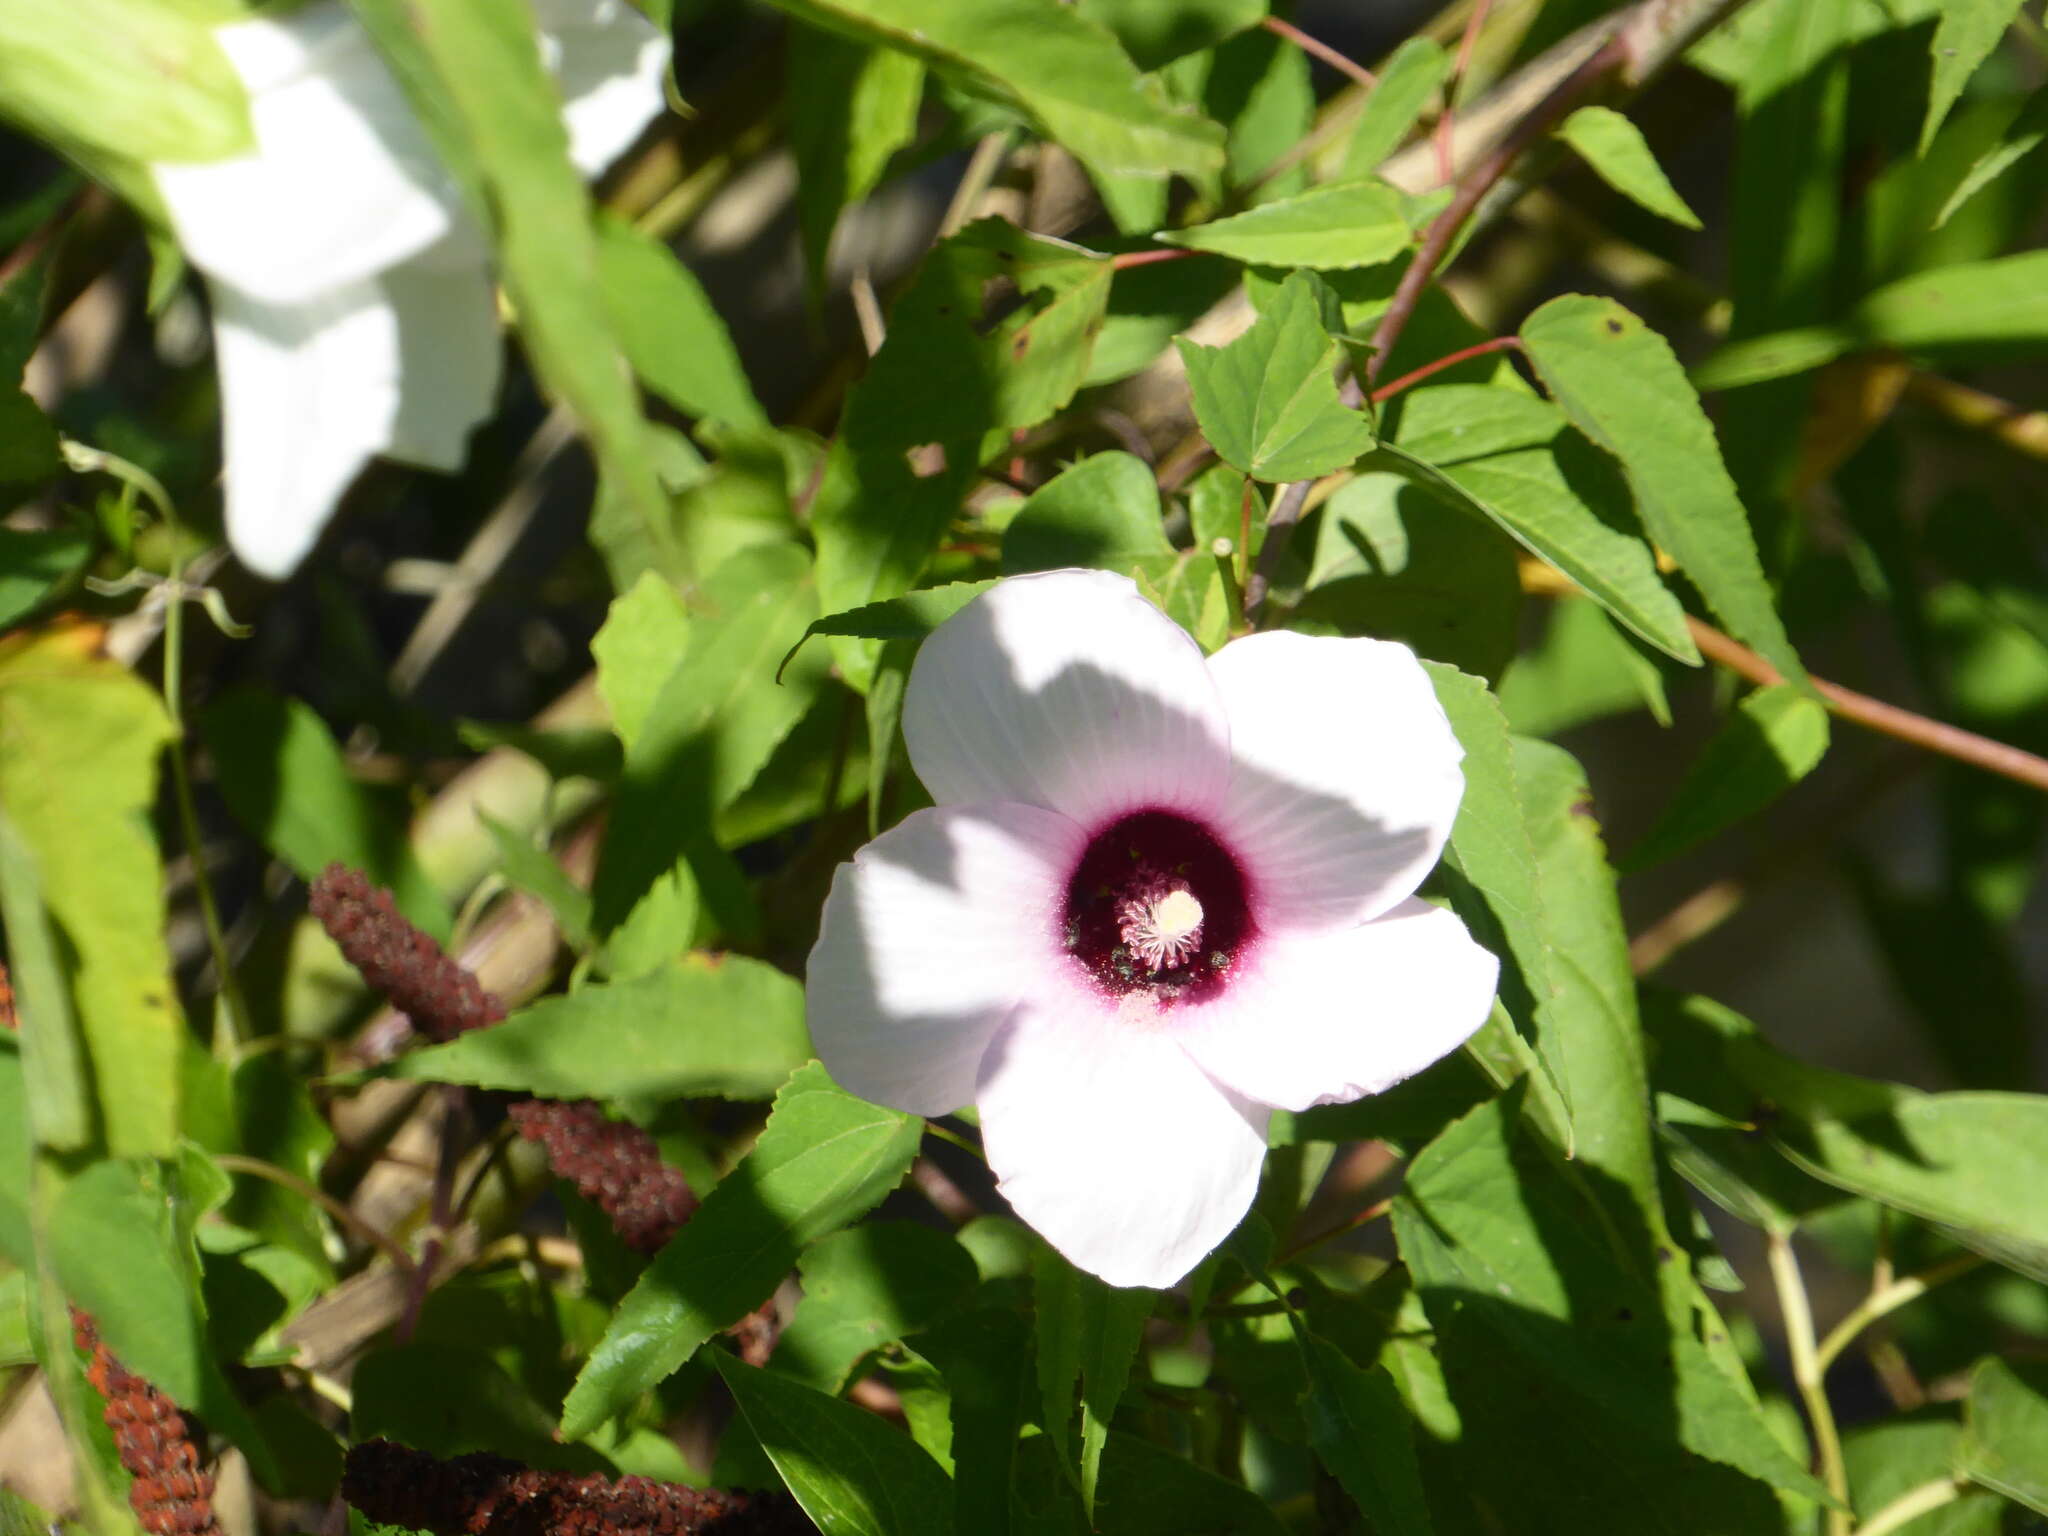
(1159, 896)
(353, 304)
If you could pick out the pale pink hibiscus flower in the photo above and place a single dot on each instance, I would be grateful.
(1160, 895)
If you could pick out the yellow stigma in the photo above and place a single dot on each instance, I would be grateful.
(1176, 915)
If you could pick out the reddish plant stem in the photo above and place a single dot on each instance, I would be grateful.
(1128, 259)
(1465, 354)
(1474, 187)
(1446, 123)
(1319, 50)
(1886, 719)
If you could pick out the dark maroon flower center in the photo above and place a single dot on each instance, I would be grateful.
(1157, 904)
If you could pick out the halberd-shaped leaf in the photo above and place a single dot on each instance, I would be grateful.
(1268, 401)
(1620, 384)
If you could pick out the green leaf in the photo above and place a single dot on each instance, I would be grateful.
(16, 1151)
(29, 449)
(1968, 31)
(1156, 32)
(1508, 457)
(1359, 1427)
(728, 1027)
(1616, 149)
(2004, 1443)
(1334, 226)
(1148, 1490)
(1267, 402)
(79, 741)
(1088, 1333)
(492, 87)
(2027, 133)
(962, 359)
(866, 1287)
(170, 92)
(1406, 82)
(851, 107)
(59, 1112)
(286, 782)
(1619, 383)
(531, 868)
(33, 565)
(1391, 564)
(853, 1474)
(1104, 512)
(824, 1159)
(645, 634)
(1583, 669)
(1774, 738)
(713, 725)
(450, 1399)
(909, 617)
(1541, 1265)
(1061, 70)
(1996, 304)
(672, 336)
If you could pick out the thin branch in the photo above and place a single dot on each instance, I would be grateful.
(1280, 523)
(1445, 164)
(1911, 1505)
(1886, 719)
(1888, 1298)
(305, 1189)
(1806, 1376)
(1472, 188)
(1323, 51)
(1387, 392)
(2020, 429)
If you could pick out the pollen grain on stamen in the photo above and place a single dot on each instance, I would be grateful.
(1162, 925)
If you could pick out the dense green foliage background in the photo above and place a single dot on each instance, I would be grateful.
(1743, 309)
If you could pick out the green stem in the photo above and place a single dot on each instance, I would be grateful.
(1887, 1298)
(1807, 1372)
(1911, 1505)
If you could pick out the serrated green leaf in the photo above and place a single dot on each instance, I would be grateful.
(79, 742)
(909, 617)
(1772, 740)
(645, 634)
(1963, 39)
(2027, 133)
(729, 1027)
(1088, 1334)
(16, 1150)
(489, 85)
(1616, 149)
(285, 780)
(824, 1159)
(449, 1399)
(1619, 383)
(853, 1474)
(1358, 1426)
(1406, 82)
(716, 720)
(851, 107)
(1509, 458)
(34, 565)
(673, 337)
(1334, 226)
(1063, 71)
(1148, 1490)
(865, 1287)
(1267, 402)
(2004, 1444)
(1583, 669)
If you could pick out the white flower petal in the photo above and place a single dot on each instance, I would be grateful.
(930, 938)
(1325, 1018)
(343, 182)
(1066, 690)
(1114, 1145)
(308, 393)
(1346, 774)
(449, 359)
(611, 63)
